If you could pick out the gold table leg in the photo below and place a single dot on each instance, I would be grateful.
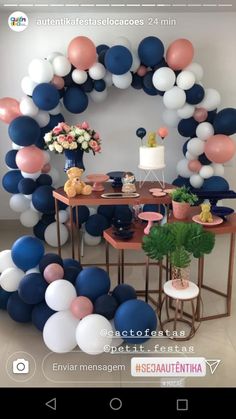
(72, 233)
(58, 228)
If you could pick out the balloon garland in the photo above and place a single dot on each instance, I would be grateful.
(68, 81)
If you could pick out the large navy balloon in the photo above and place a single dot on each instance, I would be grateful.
(18, 310)
(148, 85)
(187, 127)
(11, 180)
(27, 186)
(215, 184)
(118, 60)
(24, 131)
(225, 122)
(195, 95)
(43, 200)
(75, 100)
(10, 159)
(46, 96)
(137, 82)
(151, 51)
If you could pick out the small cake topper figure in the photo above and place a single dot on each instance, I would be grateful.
(151, 141)
(128, 181)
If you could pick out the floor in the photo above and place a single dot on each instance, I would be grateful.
(214, 340)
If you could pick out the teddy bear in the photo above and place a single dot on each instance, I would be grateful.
(151, 142)
(206, 216)
(74, 185)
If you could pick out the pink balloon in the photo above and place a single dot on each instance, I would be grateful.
(53, 272)
(179, 54)
(220, 148)
(82, 52)
(46, 168)
(58, 82)
(9, 109)
(30, 159)
(194, 165)
(200, 114)
(81, 307)
(162, 132)
(142, 71)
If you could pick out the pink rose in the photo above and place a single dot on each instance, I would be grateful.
(64, 126)
(79, 126)
(93, 144)
(85, 125)
(96, 136)
(61, 138)
(57, 130)
(69, 138)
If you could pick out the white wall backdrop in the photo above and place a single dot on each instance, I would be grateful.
(116, 119)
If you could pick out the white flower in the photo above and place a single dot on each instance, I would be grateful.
(48, 137)
(58, 148)
(51, 147)
(72, 146)
(84, 145)
(87, 137)
(79, 131)
(65, 145)
(81, 139)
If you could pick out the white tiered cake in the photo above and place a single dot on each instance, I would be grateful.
(152, 158)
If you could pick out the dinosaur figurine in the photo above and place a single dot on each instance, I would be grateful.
(205, 215)
(151, 141)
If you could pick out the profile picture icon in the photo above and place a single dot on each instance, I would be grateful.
(18, 21)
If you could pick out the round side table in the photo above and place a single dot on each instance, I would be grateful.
(179, 297)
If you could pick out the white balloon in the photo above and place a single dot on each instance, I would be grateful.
(50, 234)
(11, 278)
(61, 66)
(6, 260)
(123, 81)
(190, 156)
(29, 197)
(33, 176)
(19, 202)
(170, 118)
(185, 80)
(79, 76)
(186, 111)
(29, 218)
(196, 69)
(196, 146)
(108, 79)
(182, 168)
(60, 294)
(55, 175)
(116, 341)
(16, 146)
(40, 71)
(98, 96)
(42, 118)
(218, 168)
(97, 71)
(89, 334)
(92, 210)
(28, 85)
(59, 333)
(196, 181)
(56, 110)
(122, 40)
(47, 157)
(91, 240)
(27, 107)
(53, 55)
(174, 98)
(211, 100)
(34, 270)
(206, 171)
(136, 61)
(204, 131)
(163, 79)
(33, 207)
(63, 216)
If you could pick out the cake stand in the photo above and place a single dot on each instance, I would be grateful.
(97, 180)
(150, 217)
(116, 176)
(152, 172)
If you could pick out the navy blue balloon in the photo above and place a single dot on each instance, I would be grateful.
(215, 184)
(71, 273)
(123, 212)
(75, 100)
(43, 200)
(135, 318)
(195, 95)
(181, 181)
(4, 297)
(48, 259)
(118, 60)
(137, 82)
(92, 282)
(10, 181)
(184, 149)
(101, 47)
(27, 186)
(101, 57)
(68, 263)
(225, 122)
(83, 212)
(27, 252)
(124, 292)
(211, 116)
(24, 131)
(44, 179)
(40, 314)
(46, 96)
(10, 159)
(61, 92)
(106, 306)
(54, 120)
(96, 224)
(99, 85)
(107, 211)
(141, 132)
(88, 85)
(204, 160)
(40, 143)
(18, 310)
(151, 51)
(154, 208)
(148, 86)
(39, 229)
(68, 79)
(161, 64)
(187, 127)
(48, 218)
(32, 288)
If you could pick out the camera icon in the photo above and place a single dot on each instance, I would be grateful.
(20, 366)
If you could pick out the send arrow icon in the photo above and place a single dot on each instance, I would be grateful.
(52, 404)
(212, 364)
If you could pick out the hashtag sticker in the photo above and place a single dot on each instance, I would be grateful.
(168, 367)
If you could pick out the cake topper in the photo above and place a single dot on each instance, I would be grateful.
(128, 181)
(162, 132)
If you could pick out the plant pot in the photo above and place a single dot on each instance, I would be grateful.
(180, 210)
(74, 158)
(180, 278)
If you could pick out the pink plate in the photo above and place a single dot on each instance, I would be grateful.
(97, 180)
(153, 190)
(150, 216)
(216, 221)
(157, 194)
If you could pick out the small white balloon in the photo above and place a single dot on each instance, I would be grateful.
(163, 79)
(190, 156)
(6, 260)
(170, 118)
(40, 71)
(206, 171)
(136, 62)
(92, 210)
(196, 69)
(10, 279)
(29, 218)
(98, 96)
(60, 294)
(59, 332)
(91, 240)
(28, 108)
(123, 81)
(196, 181)
(196, 146)
(108, 79)
(28, 85)
(19, 203)
(63, 216)
(174, 98)
(61, 66)
(204, 130)
(15, 146)
(218, 168)
(90, 334)
(185, 80)
(182, 168)
(42, 118)
(50, 234)
(79, 76)
(186, 111)
(53, 55)
(56, 110)
(122, 40)
(211, 100)
(97, 71)
(33, 176)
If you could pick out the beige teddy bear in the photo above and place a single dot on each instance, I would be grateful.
(206, 216)
(75, 186)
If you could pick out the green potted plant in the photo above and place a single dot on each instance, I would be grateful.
(182, 199)
(179, 241)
